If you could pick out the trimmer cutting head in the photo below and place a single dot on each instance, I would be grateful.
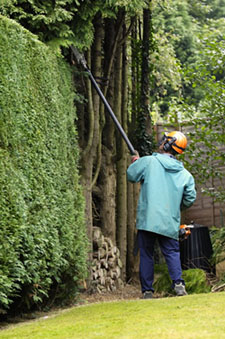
(80, 58)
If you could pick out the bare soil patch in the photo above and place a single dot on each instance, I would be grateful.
(130, 291)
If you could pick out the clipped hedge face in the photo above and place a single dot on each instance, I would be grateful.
(42, 233)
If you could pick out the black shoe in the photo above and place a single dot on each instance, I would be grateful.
(147, 295)
(180, 290)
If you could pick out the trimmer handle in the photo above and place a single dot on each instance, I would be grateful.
(80, 58)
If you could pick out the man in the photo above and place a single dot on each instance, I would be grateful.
(166, 188)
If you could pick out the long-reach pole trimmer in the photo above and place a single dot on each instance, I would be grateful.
(80, 59)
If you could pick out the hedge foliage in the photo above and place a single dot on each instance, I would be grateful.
(43, 242)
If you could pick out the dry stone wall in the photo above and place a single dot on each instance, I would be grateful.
(106, 265)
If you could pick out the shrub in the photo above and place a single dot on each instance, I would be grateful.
(195, 280)
(218, 257)
(43, 242)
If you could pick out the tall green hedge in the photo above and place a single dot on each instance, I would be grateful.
(43, 242)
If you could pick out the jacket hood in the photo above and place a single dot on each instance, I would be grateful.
(170, 164)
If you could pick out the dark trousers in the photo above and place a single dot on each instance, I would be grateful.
(171, 251)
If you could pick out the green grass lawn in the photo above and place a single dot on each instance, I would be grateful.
(193, 316)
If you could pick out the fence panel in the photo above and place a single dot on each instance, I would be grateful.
(205, 211)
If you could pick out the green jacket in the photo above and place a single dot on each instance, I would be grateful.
(166, 188)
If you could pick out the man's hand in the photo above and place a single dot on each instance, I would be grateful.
(135, 157)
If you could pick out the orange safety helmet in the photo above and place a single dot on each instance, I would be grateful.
(175, 140)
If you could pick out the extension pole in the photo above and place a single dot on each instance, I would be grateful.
(80, 58)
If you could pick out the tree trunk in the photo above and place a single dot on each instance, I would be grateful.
(107, 177)
(104, 157)
(88, 156)
(145, 78)
(121, 161)
(107, 184)
(140, 122)
(144, 118)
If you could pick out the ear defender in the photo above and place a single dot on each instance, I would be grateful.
(174, 141)
(168, 144)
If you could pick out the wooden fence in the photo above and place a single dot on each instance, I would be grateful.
(205, 211)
